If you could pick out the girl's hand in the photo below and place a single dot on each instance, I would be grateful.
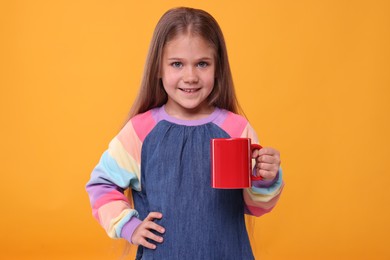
(267, 162)
(143, 231)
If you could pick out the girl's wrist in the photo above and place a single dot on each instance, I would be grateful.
(129, 227)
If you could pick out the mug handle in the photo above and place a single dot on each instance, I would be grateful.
(254, 147)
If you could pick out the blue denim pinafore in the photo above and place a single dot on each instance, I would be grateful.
(200, 222)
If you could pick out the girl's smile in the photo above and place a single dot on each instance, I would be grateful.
(189, 90)
(187, 73)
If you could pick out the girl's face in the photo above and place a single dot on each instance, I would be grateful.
(188, 72)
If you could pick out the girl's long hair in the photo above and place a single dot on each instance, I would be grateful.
(183, 21)
(179, 21)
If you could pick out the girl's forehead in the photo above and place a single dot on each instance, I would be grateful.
(188, 45)
(188, 39)
(190, 36)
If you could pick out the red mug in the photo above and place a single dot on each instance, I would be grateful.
(231, 163)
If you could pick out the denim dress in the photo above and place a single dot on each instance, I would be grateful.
(200, 222)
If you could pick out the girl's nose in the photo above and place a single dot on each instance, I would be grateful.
(190, 75)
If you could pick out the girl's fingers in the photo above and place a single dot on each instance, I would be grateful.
(267, 170)
(153, 215)
(268, 159)
(142, 234)
(269, 151)
(146, 244)
(153, 237)
(153, 226)
(146, 234)
(255, 153)
(267, 154)
(267, 166)
(266, 174)
(267, 162)
(144, 231)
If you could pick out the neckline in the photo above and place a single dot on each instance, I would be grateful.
(165, 116)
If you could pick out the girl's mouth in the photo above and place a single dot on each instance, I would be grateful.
(189, 90)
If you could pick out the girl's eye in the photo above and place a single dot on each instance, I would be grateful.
(202, 64)
(177, 64)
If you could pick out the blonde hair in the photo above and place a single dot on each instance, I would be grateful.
(184, 20)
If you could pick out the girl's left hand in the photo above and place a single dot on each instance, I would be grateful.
(267, 162)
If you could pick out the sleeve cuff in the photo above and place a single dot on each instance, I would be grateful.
(129, 227)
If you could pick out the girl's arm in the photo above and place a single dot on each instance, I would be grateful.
(117, 170)
(262, 197)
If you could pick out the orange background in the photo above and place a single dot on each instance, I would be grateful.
(312, 76)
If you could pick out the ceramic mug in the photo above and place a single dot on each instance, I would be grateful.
(231, 163)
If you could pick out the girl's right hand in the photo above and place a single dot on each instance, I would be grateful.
(143, 231)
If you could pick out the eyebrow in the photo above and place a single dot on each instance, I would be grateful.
(200, 59)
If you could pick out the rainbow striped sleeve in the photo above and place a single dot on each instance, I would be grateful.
(262, 197)
(117, 170)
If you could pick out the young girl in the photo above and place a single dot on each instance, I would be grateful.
(163, 152)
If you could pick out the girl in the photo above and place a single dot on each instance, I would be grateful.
(163, 152)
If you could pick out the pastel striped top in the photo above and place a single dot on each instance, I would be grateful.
(120, 168)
